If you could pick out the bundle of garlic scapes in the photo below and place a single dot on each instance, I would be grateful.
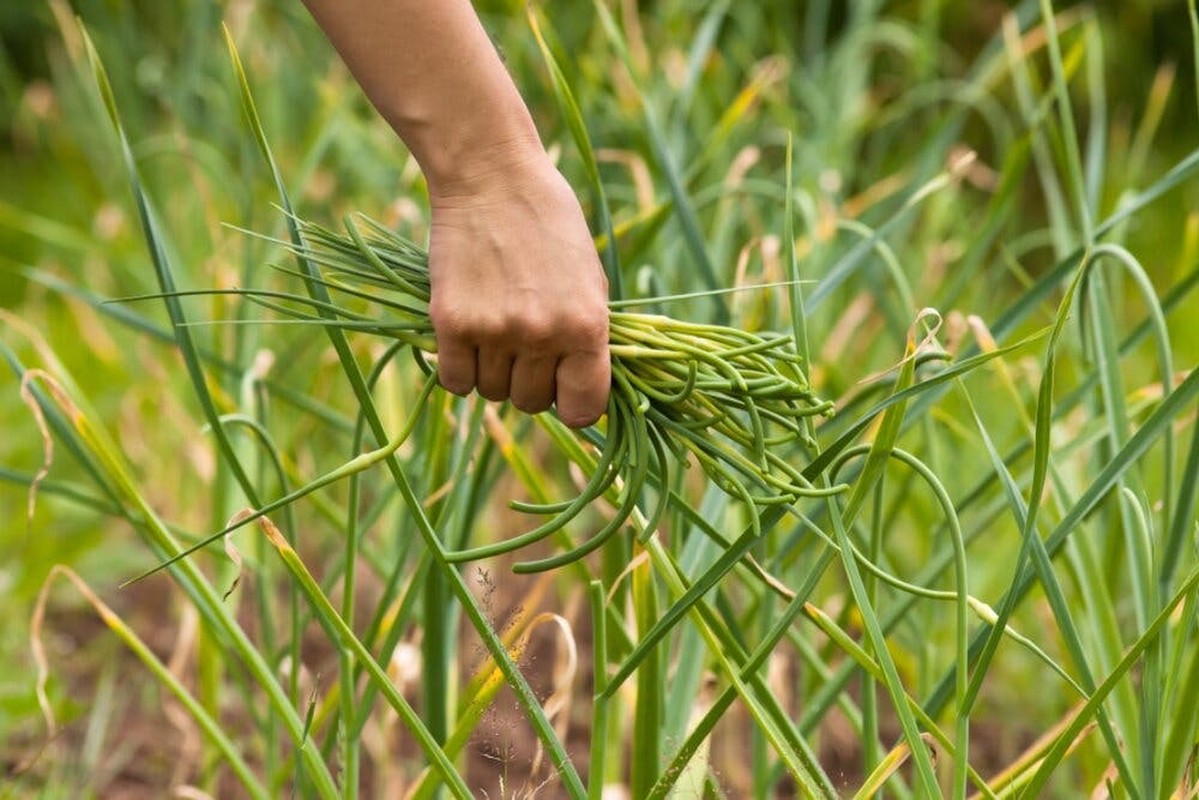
(728, 399)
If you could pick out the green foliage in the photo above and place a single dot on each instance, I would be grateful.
(968, 227)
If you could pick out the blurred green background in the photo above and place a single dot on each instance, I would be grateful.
(870, 92)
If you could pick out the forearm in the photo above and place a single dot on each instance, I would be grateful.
(430, 69)
(518, 299)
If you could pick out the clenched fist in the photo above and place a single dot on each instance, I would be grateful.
(519, 298)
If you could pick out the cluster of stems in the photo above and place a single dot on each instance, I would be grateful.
(731, 401)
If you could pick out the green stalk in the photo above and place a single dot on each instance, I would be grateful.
(346, 672)
(437, 628)
(569, 108)
(871, 754)
(202, 594)
(1066, 120)
(1091, 707)
(353, 373)
(210, 662)
(341, 633)
(797, 756)
(651, 677)
(208, 724)
(266, 610)
(597, 762)
(879, 451)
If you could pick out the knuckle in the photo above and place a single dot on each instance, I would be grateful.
(592, 328)
(449, 320)
(491, 328)
(538, 331)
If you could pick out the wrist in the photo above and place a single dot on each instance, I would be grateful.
(494, 170)
(475, 169)
(472, 142)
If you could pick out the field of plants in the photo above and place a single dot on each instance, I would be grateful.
(896, 496)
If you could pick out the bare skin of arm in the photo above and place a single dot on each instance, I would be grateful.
(519, 299)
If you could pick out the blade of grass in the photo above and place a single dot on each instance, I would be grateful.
(598, 758)
(1032, 546)
(142, 324)
(683, 207)
(651, 676)
(1134, 654)
(156, 243)
(210, 666)
(516, 680)
(210, 727)
(871, 473)
(116, 475)
(1181, 694)
(341, 633)
(800, 761)
(578, 131)
(1074, 169)
(1053, 591)
(1154, 426)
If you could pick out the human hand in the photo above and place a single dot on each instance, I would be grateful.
(519, 298)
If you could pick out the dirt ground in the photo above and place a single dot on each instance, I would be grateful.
(148, 744)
